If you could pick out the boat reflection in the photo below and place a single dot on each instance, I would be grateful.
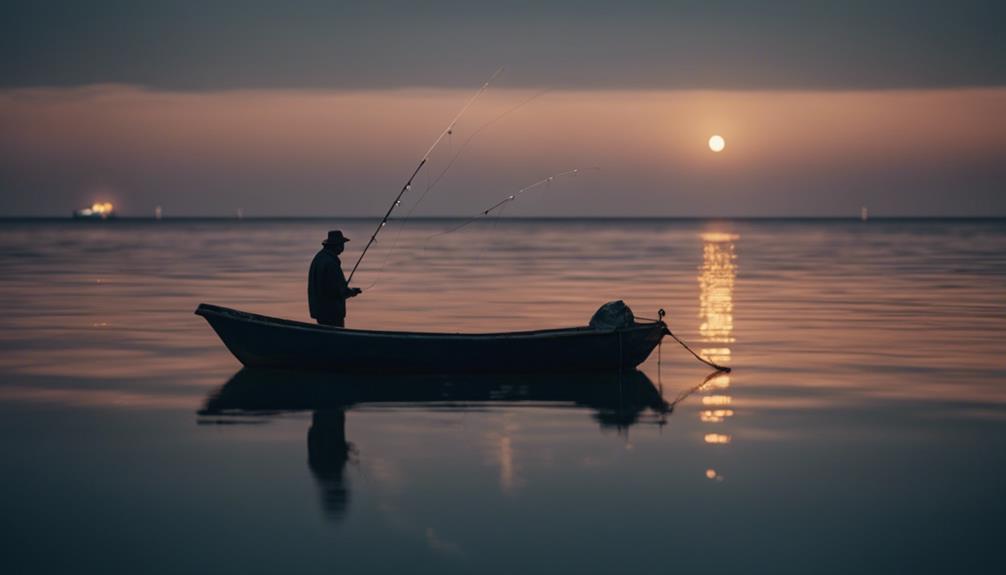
(617, 400)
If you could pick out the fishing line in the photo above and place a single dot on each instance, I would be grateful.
(502, 203)
(500, 207)
(454, 158)
(426, 157)
(464, 145)
(492, 230)
(461, 150)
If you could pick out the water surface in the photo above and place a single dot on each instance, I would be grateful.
(863, 428)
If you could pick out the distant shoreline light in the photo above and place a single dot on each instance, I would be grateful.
(98, 210)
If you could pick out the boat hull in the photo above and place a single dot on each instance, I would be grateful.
(266, 342)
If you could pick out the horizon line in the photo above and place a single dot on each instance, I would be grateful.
(4, 218)
(149, 87)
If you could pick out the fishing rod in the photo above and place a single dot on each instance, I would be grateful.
(443, 172)
(468, 141)
(408, 184)
(507, 200)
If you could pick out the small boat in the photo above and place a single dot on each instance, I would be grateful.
(267, 342)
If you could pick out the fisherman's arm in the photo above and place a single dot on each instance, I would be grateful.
(341, 286)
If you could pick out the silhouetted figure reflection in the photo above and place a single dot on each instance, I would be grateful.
(327, 288)
(328, 452)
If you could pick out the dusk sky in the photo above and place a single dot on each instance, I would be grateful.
(324, 108)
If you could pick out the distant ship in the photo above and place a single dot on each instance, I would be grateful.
(98, 211)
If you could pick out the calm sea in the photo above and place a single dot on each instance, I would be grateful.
(863, 429)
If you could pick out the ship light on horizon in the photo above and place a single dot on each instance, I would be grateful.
(98, 209)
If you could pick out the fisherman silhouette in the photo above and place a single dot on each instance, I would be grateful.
(327, 289)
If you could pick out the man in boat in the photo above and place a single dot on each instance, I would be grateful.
(327, 289)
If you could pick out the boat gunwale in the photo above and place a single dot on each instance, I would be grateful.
(206, 310)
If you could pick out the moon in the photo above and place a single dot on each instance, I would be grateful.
(717, 143)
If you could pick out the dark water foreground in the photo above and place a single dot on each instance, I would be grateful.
(862, 431)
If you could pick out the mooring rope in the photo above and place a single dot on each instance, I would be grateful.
(697, 356)
(685, 394)
(660, 318)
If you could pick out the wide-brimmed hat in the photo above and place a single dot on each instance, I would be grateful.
(335, 237)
